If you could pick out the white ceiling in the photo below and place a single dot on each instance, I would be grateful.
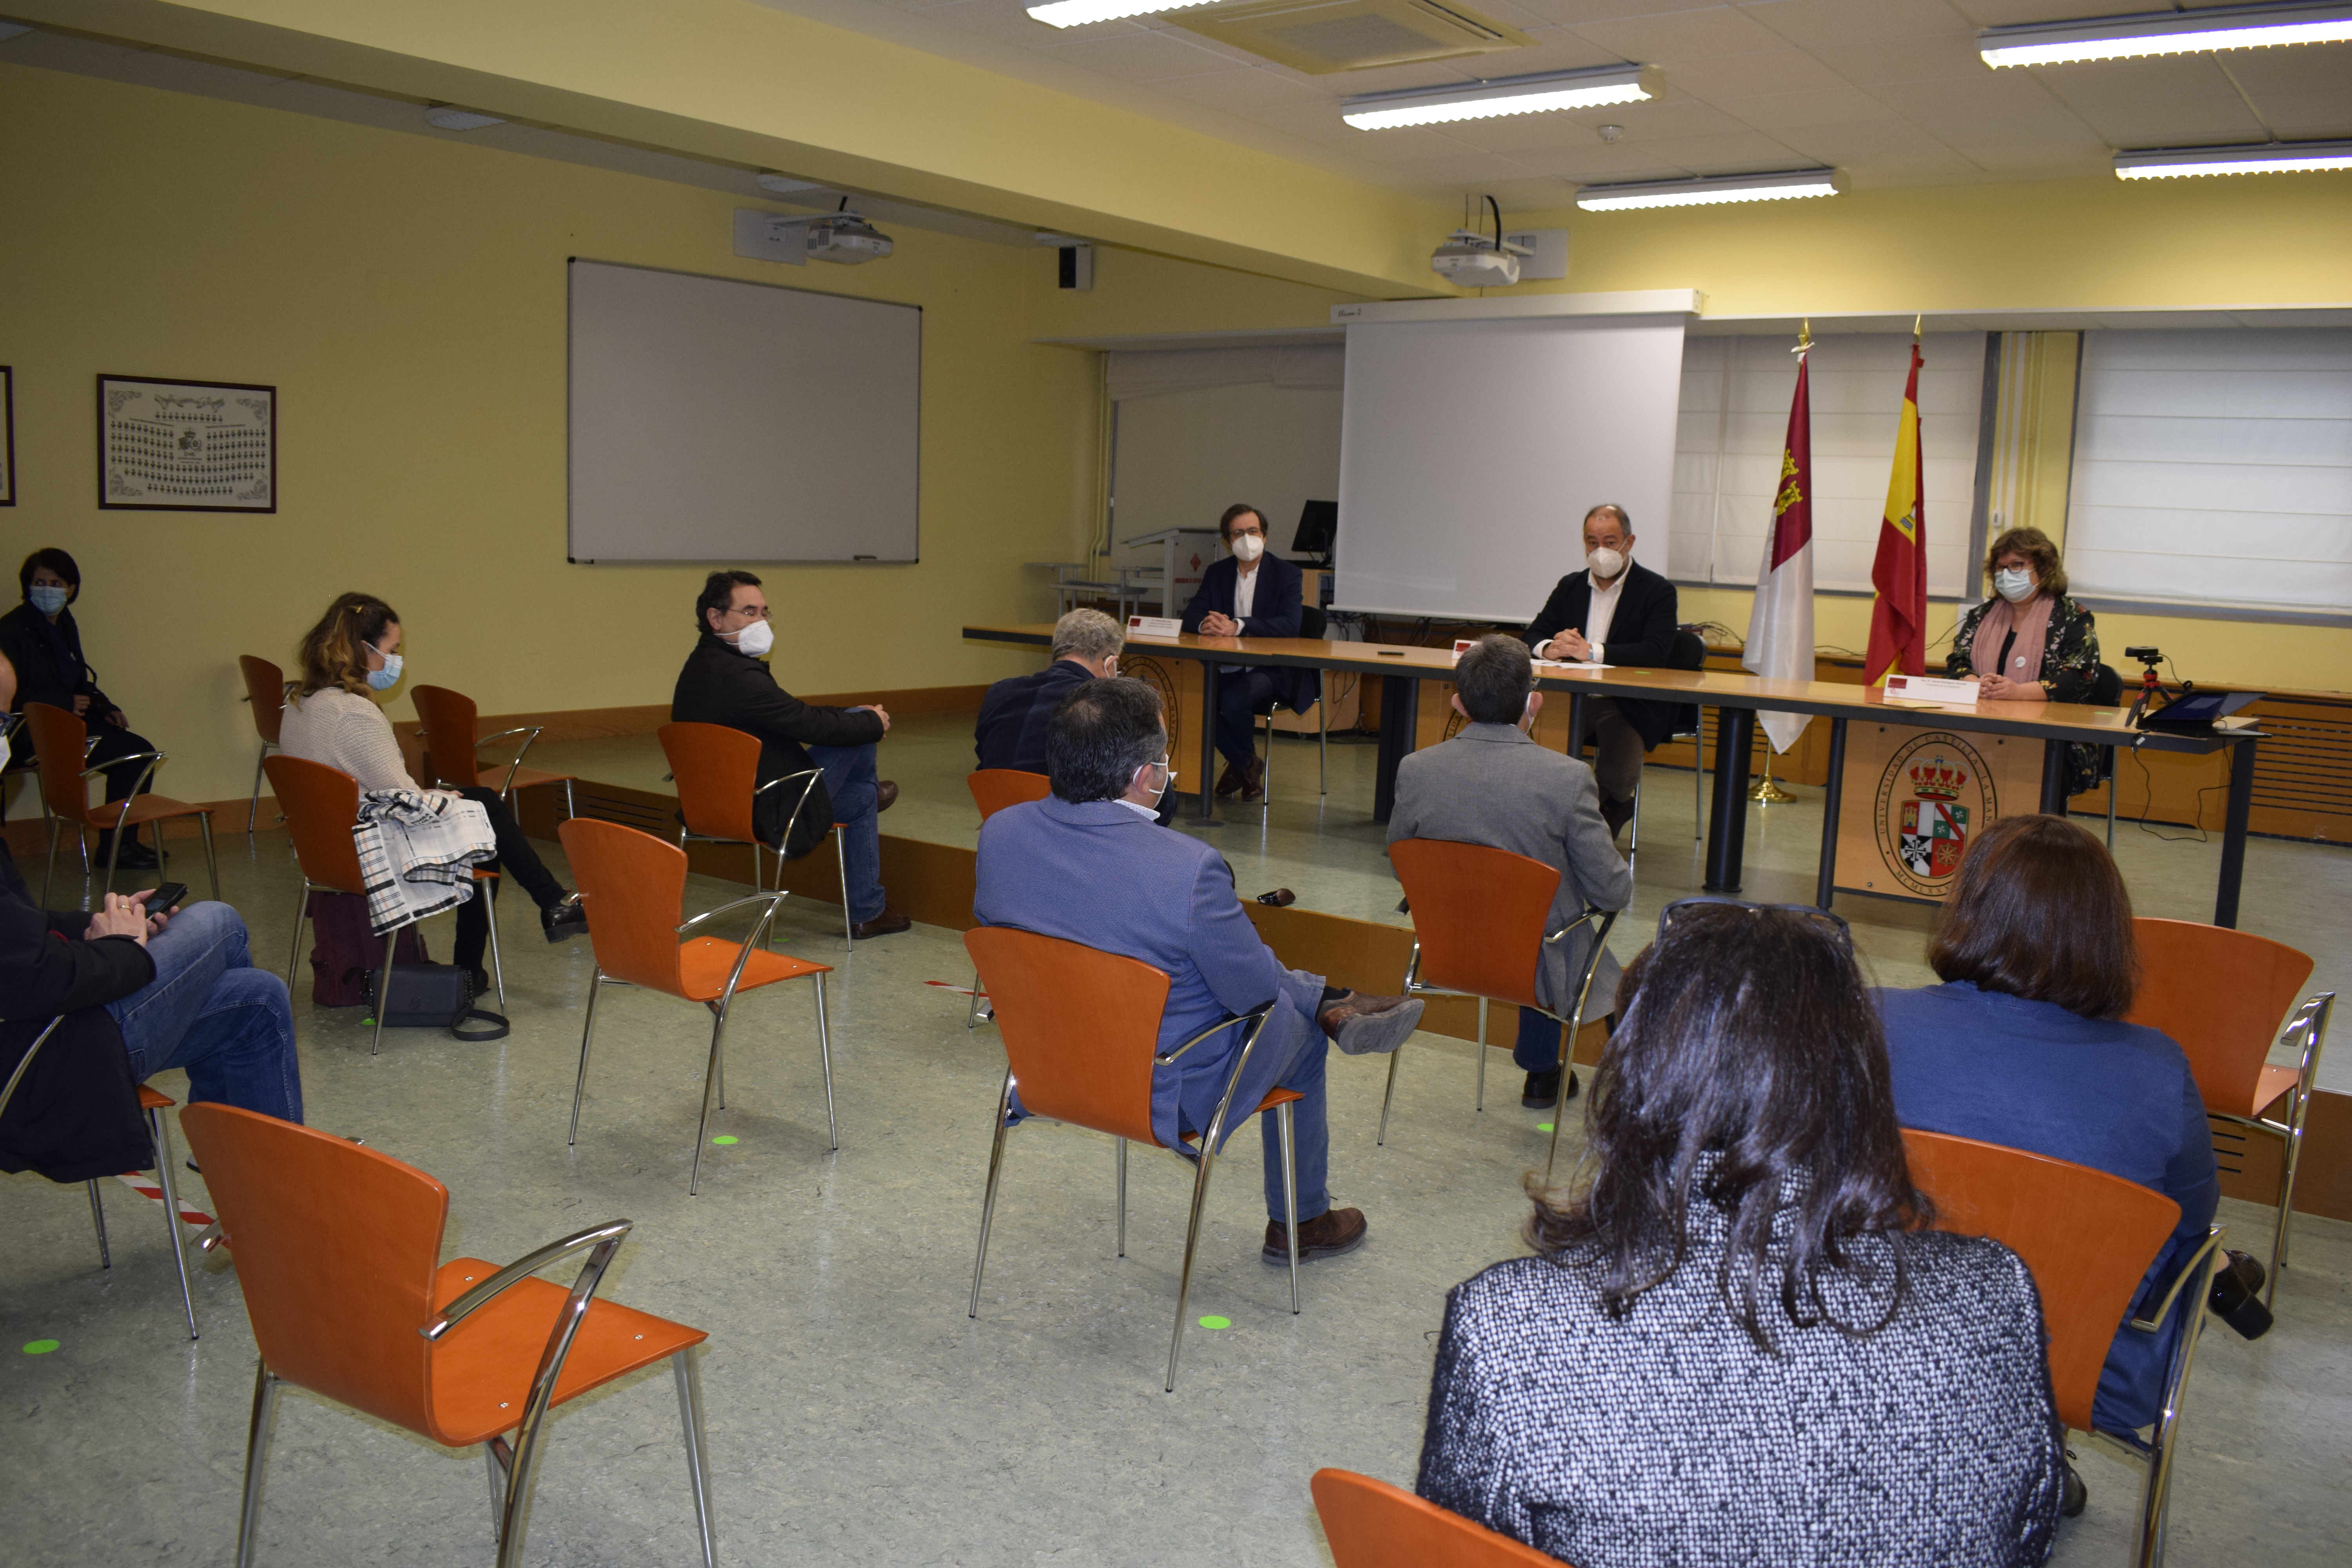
(1892, 92)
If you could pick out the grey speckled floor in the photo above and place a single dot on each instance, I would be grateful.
(856, 1413)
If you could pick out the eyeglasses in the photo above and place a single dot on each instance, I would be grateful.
(1843, 933)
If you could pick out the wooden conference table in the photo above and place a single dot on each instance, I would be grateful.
(1735, 697)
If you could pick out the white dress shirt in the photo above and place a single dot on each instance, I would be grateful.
(1602, 611)
(1245, 593)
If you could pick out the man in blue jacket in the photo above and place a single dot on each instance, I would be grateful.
(1249, 594)
(1088, 865)
(1015, 712)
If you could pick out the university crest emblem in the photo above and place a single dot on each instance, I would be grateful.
(1935, 787)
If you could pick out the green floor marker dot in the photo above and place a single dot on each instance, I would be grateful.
(39, 1347)
(1543, 1126)
(1213, 1321)
(723, 1137)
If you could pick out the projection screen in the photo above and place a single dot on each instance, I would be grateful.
(1469, 452)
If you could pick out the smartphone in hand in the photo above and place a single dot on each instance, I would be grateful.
(167, 897)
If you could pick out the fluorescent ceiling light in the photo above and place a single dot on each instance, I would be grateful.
(1711, 191)
(1506, 95)
(1078, 13)
(448, 117)
(2263, 158)
(2166, 33)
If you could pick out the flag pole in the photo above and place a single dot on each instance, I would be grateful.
(1764, 791)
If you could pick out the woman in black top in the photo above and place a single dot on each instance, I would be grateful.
(2030, 642)
(1736, 1346)
(41, 638)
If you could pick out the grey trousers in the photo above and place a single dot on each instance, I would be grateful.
(1617, 761)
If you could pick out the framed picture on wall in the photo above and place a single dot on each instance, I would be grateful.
(7, 436)
(186, 446)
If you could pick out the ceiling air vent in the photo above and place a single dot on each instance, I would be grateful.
(1323, 35)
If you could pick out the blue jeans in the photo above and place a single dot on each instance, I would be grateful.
(1537, 1048)
(1291, 1052)
(209, 1012)
(849, 779)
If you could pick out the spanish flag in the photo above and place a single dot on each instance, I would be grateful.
(1899, 619)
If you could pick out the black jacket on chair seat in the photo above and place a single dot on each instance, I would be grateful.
(1274, 613)
(76, 1116)
(1642, 633)
(720, 686)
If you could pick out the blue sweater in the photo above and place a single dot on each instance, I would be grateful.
(2113, 1096)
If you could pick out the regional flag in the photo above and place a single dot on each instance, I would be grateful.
(1780, 621)
(1899, 619)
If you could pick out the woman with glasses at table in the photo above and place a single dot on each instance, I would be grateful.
(2024, 1045)
(1737, 1344)
(2031, 642)
(352, 654)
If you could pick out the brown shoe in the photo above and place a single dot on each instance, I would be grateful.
(1229, 781)
(1254, 781)
(1361, 1024)
(1616, 813)
(884, 924)
(1327, 1235)
(885, 796)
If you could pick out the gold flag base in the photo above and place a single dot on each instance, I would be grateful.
(1764, 791)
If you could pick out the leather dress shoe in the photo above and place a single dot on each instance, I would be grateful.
(565, 920)
(885, 796)
(1229, 781)
(1541, 1091)
(1327, 1235)
(884, 924)
(1253, 780)
(1616, 813)
(135, 856)
(1361, 1024)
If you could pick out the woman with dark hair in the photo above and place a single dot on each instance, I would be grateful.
(1738, 1345)
(332, 717)
(2030, 642)
(2024, 1044)
(41, 638)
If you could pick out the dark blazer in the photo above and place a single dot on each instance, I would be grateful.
(75, 1117)
(720, 686)
(1641, 633)
(2114, 1096)
(1667, 1435)
(49, 669)
(1014, 716)
(1274, 613)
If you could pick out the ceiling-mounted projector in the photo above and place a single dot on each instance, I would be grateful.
(846, 237)
(1473, 260)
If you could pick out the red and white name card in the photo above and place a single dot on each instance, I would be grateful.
(1154, 626)
(1932, 689)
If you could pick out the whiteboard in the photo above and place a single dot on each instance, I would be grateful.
(1470, 451)
(718, 421)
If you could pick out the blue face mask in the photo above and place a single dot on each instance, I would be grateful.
(387, 678)
(48, 597)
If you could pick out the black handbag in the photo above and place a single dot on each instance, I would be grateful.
(437, 997)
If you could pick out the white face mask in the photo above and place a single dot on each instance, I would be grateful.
(756, 638)
(1167, 778)
(2014, 583)
(1248, 546)
(1605, 562)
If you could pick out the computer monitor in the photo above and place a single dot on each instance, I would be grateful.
(1318, 521)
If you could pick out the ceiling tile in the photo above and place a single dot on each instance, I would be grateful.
(1688, 35)
(1891, 60)
(1010, 25)
(2012, 13)
(1740, 151)
(1237, 91)
(2035, 161)
(2303, 94)
(2011, 92)
(2164, 102)
(1604, 165)
(1554, 49)
(1576, 13)
(1882, 152)
(1140, 56)
(1534, 193)
(1468, 165)
(1828, 105)
(1809, 21)
(1749, 75)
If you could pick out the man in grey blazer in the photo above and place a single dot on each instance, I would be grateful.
(1492, 784)
(1088, 865)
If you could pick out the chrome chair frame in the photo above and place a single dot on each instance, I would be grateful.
(715, 1074)
(513, 1469)
(759, 876)
(1697, 736)
(1413, 987)
(1322, 741)
(2156, 1454)
(391, 941)
(153, 760)
(1210, 1141)
(2311, 1019)
(159, 1137)
(514, 763)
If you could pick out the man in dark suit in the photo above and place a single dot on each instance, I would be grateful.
(725, 682)
(1015, 714)
(1613, 612)
(1088, 865)
(1249, 594)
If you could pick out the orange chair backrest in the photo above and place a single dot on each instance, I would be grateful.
(321, 806)
(2088, 1238)
(2222, 994)
(265, 688)
(716, 770)
(994, 789)
(1371, 1524)
(632, 886)
(450, 731)
(1480, 915)
(336, 1247)
(1079, 1026)
(59, 740)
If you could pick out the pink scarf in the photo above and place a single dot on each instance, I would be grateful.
(2031, 624)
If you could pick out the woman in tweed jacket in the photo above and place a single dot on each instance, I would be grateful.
(1739, 1345)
